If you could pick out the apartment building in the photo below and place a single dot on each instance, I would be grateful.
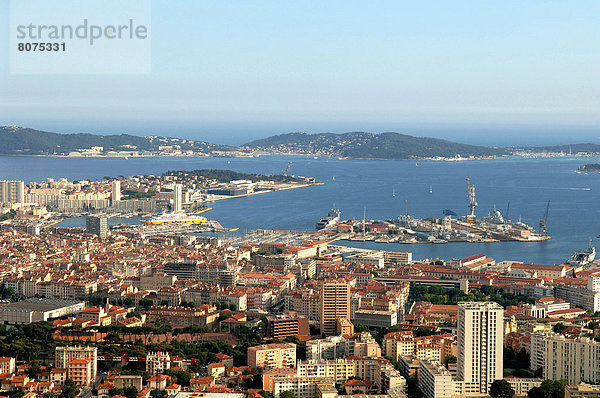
(480, 345)
(435, 381)
(574, 359)
(335, 303)
(282, 326)
(434, 348)
(69, 358)
(12, 192)
(334, 347)
(271, 356)
(303, 387)
(339, 370)
(158, 359)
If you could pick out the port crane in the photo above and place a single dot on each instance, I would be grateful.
(543, 220)
(285, 173)
(472, 200)
(507, 218)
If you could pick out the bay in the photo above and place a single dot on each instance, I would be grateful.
(354, 184)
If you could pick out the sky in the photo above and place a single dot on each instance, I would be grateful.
(483, 72)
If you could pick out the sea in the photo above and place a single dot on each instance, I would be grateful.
(385, 189)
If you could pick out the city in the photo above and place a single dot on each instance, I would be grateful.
(112, 311)
(299, 199)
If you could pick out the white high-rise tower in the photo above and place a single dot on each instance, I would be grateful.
(480, 338)
(177, 198)
(116, 192)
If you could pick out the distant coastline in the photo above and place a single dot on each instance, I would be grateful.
(19, 141)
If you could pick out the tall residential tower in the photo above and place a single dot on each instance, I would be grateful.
(177, 198)
(335, 303)
(480, 337)
(116, 192)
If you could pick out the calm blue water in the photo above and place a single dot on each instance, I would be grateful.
(527, 183)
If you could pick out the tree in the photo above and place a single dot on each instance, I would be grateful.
(559, 327)
(501, 389)
(449, 359)
(287, 394)
(134, 314)
(359, 327)
(130, 392)
(535, 392)
(70, 390)
(553, 388)
(145, 304)
(412, 388)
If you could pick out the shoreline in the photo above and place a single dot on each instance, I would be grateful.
(532, 155)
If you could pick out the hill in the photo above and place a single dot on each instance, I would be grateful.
(371, 146)
(25, 141)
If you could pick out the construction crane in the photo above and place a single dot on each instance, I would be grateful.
(472, 201)
(287, 168)
(543, 221)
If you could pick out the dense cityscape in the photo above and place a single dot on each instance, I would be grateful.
(299, 199)
(165, 309)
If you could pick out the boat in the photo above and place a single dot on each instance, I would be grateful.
(495, 217)
(521, 225)
(430, 189)
(393, 193)
(174, 218)
(332, 218)
(582, 257)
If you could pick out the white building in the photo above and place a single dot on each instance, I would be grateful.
(521, 386)
(580, 297)
(156, 360)
(116, 192)
(333, 347)
(12, 191)
(536, 354)
(435, 381)
(480, 349)
(593, 282)
(303, 387)
(177, 198)
(573, 359)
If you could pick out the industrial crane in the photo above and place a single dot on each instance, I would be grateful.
(287, 169)
(543, 220)
(472, 201)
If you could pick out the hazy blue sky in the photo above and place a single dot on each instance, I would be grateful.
(491, 72)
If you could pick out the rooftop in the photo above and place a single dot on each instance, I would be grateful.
(38, 304)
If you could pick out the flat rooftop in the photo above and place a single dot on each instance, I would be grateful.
(39, 304)
(208, 395)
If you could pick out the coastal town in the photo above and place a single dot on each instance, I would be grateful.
(121, 312)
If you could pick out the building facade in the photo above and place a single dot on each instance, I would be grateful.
(335, 303)
(271, 356)
(480, 345)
